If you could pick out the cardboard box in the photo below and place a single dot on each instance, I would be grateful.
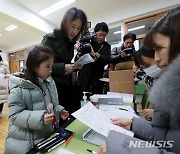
(123, 75)
(122, 81)
(124, 65)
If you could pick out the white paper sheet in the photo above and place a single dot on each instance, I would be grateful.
(113, 114)
(153, 71)
(85, 59)
(97, 120)
(64, 151)
(108, 107)
(3, 81)
(104, 79)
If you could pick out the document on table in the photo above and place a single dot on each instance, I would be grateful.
(64, 151)
(113, 114)
(3, 81)
(97, 120)
(108, 107)
(85, 59)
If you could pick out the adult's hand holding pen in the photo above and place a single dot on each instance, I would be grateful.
(64, 114)
(122, 122)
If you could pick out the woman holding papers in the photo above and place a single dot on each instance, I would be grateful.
(164, 130)
(4, 74)
(62, 41)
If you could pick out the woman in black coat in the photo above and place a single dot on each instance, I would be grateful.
(61, 41)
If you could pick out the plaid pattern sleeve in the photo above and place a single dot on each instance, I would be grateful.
(141, 75)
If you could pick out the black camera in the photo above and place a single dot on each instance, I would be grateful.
(129, 51)
(87, 38)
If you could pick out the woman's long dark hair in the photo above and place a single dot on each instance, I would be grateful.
(36, 56)
(168, 25)
(143, 51)
(71, 15)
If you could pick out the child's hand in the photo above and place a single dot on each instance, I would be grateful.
(48, 119)
(64, 114)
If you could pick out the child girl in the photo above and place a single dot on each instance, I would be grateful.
(33, 103)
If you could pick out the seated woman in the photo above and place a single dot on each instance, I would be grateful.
(144, 58)
(164, 129)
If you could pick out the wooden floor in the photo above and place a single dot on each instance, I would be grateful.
(3, 128)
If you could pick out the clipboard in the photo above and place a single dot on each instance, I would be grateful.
(85, 59)
(93, 137)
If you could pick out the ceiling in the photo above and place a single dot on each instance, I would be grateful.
(32, 27)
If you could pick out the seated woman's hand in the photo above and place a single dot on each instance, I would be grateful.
(134, 68)
(102, 148)
(147, 113)
(122, 122)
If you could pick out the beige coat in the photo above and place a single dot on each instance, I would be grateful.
(3, 89)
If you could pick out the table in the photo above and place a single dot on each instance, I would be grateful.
(77, 145)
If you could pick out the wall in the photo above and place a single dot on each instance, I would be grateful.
(133, 9)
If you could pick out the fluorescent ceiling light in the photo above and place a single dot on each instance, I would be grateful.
(117, 32)
(0, 34)
(10, 28)
(56, 7)
(136, 28)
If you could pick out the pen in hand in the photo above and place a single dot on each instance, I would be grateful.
(51, 111)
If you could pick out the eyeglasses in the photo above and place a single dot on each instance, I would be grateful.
(100, 34)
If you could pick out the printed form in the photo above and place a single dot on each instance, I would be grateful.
(97, 120)
(85, 59)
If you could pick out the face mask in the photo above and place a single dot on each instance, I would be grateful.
(153, 71)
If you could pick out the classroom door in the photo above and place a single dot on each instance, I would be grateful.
(14, 66)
